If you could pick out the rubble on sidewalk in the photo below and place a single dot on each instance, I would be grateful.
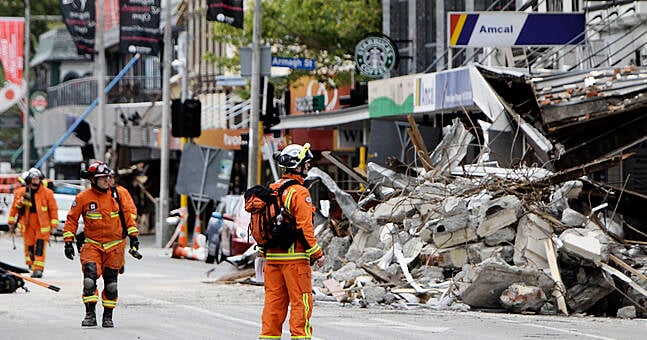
(495, 239)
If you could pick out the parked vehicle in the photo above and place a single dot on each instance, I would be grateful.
(227, 232)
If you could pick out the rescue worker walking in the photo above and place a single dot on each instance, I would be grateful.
(37, 213)
(287, 272)
(128, 205)
(102, 254)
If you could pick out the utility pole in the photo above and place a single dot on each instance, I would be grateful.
(252, 159)
(26, 145)
(162, 204)
(101, 84)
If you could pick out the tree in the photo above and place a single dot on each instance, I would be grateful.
(324, 30)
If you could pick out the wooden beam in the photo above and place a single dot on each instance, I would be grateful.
(627, 267)
(559, 291)
(419, 144)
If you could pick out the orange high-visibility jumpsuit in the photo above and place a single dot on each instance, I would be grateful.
(35, 222)
(104, 244)
(127, 203)
(288, 276)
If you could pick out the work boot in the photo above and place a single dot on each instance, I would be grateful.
(90, 316)
(107, 318)
(37, 273)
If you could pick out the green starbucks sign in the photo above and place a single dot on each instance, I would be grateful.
(375, 56)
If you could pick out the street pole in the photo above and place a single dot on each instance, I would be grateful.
(252, 159)
(26, 145)
(162, 211)
(101, 84)
(183, 42)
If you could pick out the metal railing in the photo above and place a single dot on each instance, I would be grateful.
(83, 91)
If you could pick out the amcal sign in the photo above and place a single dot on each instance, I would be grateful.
(486, 29)
(309, 86)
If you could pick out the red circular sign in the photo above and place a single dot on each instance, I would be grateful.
(9, 94)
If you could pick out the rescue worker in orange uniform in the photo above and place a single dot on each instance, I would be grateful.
(102, 254)
(37, 212)
(128, 205)
(288, 276)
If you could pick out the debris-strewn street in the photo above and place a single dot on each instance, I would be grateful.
(480, 237)
(164, 298)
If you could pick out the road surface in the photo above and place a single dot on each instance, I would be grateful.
(164, 298)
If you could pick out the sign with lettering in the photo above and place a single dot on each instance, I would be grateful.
(139, 30)
(504, 29)
(226, 11)
(376, 56)
(294, 63)
(80, 19)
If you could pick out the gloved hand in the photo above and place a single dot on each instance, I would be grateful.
(134, 247)
(69, 250)
(134, 242)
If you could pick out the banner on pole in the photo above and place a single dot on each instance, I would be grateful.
(12, 31)
(139, 30)
(80, 20)
(226, 11)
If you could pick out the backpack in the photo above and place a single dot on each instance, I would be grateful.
(264, 204)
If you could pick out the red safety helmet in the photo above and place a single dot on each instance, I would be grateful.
(98, 169)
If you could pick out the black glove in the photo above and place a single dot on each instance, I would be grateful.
(134, 247)
(134, 242)
(69, 250)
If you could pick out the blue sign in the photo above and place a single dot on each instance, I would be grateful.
(294, 63)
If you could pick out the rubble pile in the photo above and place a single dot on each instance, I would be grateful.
(479, 237)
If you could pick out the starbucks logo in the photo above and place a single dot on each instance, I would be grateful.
(375, 56)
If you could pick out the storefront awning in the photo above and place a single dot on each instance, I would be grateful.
(323, 119)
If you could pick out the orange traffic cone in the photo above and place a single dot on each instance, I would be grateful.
(197, 230)
(181, 239)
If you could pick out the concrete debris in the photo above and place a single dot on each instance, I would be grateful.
(541, 242)
(627, 312)
(588, 244)
(592, 286)
(522, 298)
(529, 245)
(481, 286)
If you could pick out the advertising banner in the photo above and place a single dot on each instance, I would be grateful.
(392, 96)
(139, 30)
(79, 18)
(226, 11)
(504, 29)
(11, 60)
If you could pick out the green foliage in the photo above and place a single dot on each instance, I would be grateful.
(324, 30)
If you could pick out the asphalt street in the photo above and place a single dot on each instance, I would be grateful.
(165, 298)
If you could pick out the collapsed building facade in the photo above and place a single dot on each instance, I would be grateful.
(542, 234)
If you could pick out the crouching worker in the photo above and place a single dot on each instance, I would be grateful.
(102, 254)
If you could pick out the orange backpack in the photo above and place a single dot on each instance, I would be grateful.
(270, 225)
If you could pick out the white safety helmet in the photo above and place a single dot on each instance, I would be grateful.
(33, 172)
(294, 155)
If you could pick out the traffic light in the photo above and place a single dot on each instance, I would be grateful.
(185, 118)
(358, 96)
(270, 116)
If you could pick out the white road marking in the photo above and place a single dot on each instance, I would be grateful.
(206, 311)
(378, 322)
(569, 331)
